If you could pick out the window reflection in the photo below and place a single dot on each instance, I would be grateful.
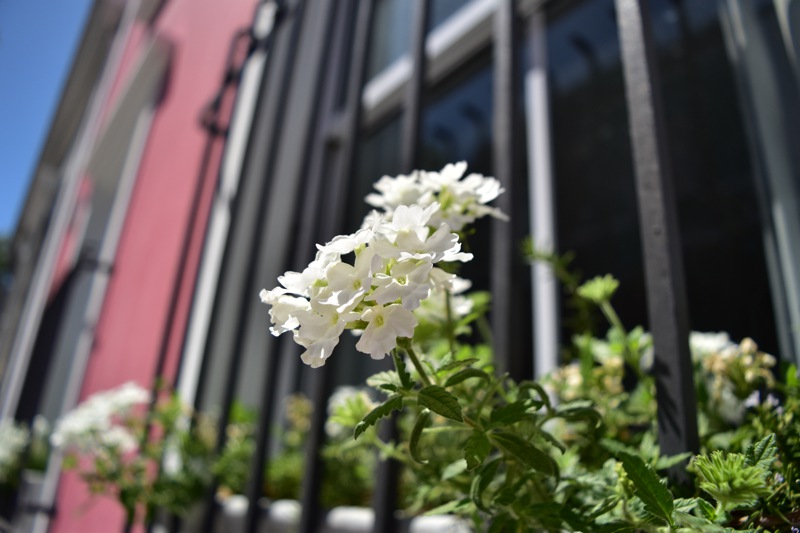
(595, 189)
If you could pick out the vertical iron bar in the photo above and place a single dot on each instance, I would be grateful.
(315, 169)
(334, 154)
(388, 474)
(666, 294)
(413, 94)
(505, 159)
(256, 478)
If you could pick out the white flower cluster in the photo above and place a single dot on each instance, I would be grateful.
(14, 437)
(392, 272)
(94, 425)
(462, 201)
(733, 372)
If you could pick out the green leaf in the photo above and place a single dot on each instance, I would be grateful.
(454, 469)
(456, 364)
(616, 527)
(466, 374)
(526, 452)
(598, 289)
(552, 440)
(422, 422)
(762, 453)
(510, 413)
(791, 376)
(448, 508)
(654, 494)
(579, 411)
(526, 386)
(393, 403)
(389, 377)
(400, 364)
(481, 481)
(502, 523)
(440, 402)
(476, 449)
(706, 508)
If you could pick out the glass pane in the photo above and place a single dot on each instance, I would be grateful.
(441, 11)
(721, 228)
(390, 38)
(596, 206)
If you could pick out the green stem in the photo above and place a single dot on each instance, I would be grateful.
(420, 369)
(631, 358)
(451, 335)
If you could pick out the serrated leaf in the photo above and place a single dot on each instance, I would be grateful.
(454, 469)
(402, 373)
(762, 453)
(476, 449)
(393, 403)
(440, 402)
(706, 508)
(484, 476)
(654, 494)
(422, 422)
(389, 387)
(467, 373)
(526, 452)
(456, 364)
(509, 413)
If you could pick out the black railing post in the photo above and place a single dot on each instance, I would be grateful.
(506, 150)
(666, 293)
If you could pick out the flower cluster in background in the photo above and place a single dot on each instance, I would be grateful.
(393, 271)
(462, 200)
(14, 438)
(101, 423)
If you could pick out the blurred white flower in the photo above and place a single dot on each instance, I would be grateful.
(14, 438)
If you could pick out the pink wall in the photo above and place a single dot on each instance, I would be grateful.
(135, 309)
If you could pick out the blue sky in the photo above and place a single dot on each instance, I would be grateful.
(37, 41)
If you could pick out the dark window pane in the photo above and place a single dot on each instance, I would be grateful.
(457, 126)
(724, 259)
(596, 205)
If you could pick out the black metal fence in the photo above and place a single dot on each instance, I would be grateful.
(300, 172)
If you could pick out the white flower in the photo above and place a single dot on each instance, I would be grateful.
(385, 325)
(407, 281)
(90, 426)
(14, 439)
(392, 274)
(703, 344)
(283, 310)
(463, 200)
